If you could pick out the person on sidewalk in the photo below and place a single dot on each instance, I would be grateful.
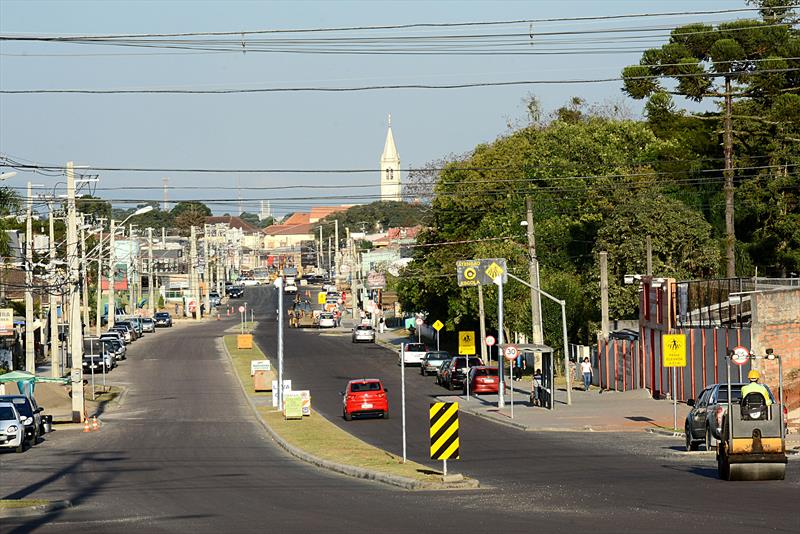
(381, 325)
(586, 371)
(536, 388)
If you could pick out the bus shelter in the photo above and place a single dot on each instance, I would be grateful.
(541, 357)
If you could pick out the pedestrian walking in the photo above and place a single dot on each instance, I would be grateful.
(536, 388)
(381, 325)
(586, 371)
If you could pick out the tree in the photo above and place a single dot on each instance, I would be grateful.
(379, 216)
(9, 204)
(93, 206)
(250, 218)
(743, 59)
(192, 206)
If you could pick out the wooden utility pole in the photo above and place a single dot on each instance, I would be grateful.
(533, 274)
(730, 231)
(649, 256)
(604, 295)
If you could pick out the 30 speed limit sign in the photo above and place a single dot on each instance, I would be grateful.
(511, 352)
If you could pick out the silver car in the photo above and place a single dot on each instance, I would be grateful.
(12, 428)
(432, 361)
(363, 332)
(148, 324)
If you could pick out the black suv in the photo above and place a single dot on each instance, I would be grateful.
(163, 319)
(30, 413)
(453, 372)
(236, 292)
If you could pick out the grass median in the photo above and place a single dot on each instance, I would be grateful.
(318, 436)
(8, 504)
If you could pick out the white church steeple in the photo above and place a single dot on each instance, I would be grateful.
(390, 168)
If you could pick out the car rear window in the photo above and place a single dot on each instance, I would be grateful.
(6, 413)
(437, 356)
(485, 372)
(22, 405)
(365, 386)
(722, 394)
(364, 327)
(415, 347)
(473, 362)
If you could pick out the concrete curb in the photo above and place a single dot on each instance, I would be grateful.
(349, 470)
(37, 509)
(665, 432)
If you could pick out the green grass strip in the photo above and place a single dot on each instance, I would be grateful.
(6, 504)
(321, 438)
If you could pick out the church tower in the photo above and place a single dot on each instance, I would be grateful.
(390, 168)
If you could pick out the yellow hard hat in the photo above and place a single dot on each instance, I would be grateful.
(753, 375)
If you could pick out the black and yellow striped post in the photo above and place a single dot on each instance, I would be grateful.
(444, 432)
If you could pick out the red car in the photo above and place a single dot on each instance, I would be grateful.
(365, 397)
(482, 380)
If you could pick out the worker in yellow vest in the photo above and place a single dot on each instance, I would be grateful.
(754, 387)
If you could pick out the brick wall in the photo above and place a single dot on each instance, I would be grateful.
(776, 325)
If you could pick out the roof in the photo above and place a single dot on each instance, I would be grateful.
(233, 222)
(289, 229)
(298, 218)
(389, 148)
(320, 212)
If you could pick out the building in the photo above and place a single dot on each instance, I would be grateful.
(390, 169)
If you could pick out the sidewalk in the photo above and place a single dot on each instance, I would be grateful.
(609, 411)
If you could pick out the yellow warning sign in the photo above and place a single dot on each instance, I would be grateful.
(673, 350)
(321, 297)
(466, 343)
(494, 270)
(470, 274)
(444, 431)
(438, 325)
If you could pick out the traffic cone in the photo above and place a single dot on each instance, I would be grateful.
(86, 425)
(95, 426)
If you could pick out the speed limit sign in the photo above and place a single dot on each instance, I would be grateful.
(241, 309)
(490, 341)
(511, 352)
(740, 355)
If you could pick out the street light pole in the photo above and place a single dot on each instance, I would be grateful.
(99, 298)
(30, 354)
(84, 277)
(500, 341)
(55, 345)
(75, 326)
(150, 277)
(279, 285)
(112, 264)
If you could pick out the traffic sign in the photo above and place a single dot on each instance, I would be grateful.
(241, 309)
(480, 271)
(511, 352)
(444, 431)
(740, 355)
(490, 340)
(419, 321)
(322, 297)
(438, 325)
(466, 343)
(673, 352)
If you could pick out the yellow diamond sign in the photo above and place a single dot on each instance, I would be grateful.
(438, 325)
(494, 270)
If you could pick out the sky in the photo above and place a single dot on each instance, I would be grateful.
(297, 130)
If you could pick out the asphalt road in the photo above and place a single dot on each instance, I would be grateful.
(182, 453)
(632, 479)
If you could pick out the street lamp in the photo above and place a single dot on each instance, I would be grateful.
(7, 175)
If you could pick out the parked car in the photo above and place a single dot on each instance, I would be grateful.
(412, 353)
(94, 346)
(12, 428)
(130, 327)
(482, 379)
(30, 413)
(432, 361)
(114, 334)
(137, 324)
(290, 287)
(703, 423)
(453, 372)
(366, 396)
(115, 347)
(95, 363)
(126, 333)
(363, 332)
(163, 319)
(148, 324)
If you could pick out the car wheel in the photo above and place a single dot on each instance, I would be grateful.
(709, 440)
(348, 416)
(386, 414)
(691, 445)
(450, 385)
(21, 447)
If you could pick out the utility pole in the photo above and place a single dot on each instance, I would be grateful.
(30, 354)
(55, 352)
(604, 295)
(319, 250)
(206, 270)
(482, 319)
(75, 326)
(84, 276)
(330, 266)
(649, 256)
(336, 246)
(150, 277)
(500, 342)
(193, 270)
(99, 299)
(112, 278)
(730, 231)
(533, 274)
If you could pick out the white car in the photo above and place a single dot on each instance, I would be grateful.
(248, 282)
(412, 353)
(12, 428)
(290, 288)
(327, 320)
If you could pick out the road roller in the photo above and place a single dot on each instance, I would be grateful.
(753, 437)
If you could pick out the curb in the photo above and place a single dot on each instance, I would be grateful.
(37, 509)
(662, 432)
(349, 470)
